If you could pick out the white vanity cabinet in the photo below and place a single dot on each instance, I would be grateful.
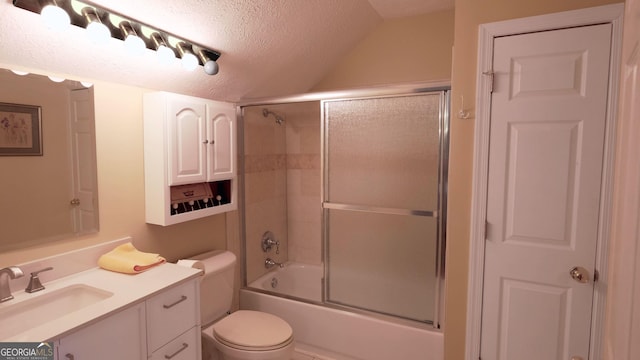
(189, 148)
(120, 336)
(164, 326)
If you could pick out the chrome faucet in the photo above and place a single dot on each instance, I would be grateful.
(12, 272)
(269, 263)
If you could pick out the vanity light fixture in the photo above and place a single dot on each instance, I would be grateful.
(104, 23)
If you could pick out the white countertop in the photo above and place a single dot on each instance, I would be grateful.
(127, 290)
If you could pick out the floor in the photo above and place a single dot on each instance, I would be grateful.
(305, 355)
(307, 352)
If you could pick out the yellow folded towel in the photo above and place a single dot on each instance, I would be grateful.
(129, 260)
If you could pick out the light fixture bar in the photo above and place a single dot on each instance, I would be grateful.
(103, 14)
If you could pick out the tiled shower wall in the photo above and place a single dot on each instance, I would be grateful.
(304, 210)
(282, 184)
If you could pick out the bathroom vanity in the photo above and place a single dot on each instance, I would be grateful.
(98, 314)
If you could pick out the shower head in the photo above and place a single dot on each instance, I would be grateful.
(266, 112)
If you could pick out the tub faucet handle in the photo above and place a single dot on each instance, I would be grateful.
(268, 241)
(269, 263)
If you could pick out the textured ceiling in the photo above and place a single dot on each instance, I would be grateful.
(389, 9)
(269, 48)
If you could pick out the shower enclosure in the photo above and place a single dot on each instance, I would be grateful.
(349, 193)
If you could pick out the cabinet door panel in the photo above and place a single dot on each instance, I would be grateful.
(121, 336)
(187, 142)
(221, 135)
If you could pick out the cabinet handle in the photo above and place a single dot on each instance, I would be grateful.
(69, 356)
(205, 142)
(182, 298)
(184, 346)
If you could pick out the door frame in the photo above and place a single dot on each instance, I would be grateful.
(486, 34)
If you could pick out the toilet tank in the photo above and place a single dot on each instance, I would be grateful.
(216, 285)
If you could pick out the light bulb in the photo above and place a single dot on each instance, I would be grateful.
(189, 61)
(19, 72)
(165, 55)
(55, 18)
(211, 67)
(86, 84)
(135, 46)
(132, 42)
(98, 32)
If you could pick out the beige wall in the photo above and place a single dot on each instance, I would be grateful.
(411, 49)
(469, 14)
(119, 139)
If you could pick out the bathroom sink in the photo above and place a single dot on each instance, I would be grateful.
(25, 314)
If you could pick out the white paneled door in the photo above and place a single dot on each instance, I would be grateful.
(548, 113)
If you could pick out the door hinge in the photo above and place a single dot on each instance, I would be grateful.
(490, 73)
(486, 230)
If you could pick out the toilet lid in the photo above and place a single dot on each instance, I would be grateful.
(253, 330)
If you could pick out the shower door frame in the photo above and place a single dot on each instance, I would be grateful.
(372, 92)
(440, 213)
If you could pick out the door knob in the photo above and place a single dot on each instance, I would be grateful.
(579, 274)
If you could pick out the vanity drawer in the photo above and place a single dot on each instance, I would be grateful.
(172, 313)
(184, 347)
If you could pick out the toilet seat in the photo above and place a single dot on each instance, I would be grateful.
(253, 331)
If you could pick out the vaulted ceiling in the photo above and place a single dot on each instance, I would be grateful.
(268, 47)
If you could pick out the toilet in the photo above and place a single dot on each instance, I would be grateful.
(241, 335)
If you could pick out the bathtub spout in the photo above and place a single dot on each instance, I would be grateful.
(269, 263)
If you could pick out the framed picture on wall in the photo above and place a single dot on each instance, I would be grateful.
(20, 130)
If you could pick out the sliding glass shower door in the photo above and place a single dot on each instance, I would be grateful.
(384, 199)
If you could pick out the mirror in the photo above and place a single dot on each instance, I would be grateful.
(48, 181)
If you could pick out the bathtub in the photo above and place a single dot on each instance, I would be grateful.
(294, 279)
(343, 335)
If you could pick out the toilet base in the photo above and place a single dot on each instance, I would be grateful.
(225, 352)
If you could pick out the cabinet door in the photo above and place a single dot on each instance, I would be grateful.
(121, 336)
(221, 132)
(187, 145)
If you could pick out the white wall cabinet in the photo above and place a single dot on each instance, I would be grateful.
(188, 141)
(165, 326)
